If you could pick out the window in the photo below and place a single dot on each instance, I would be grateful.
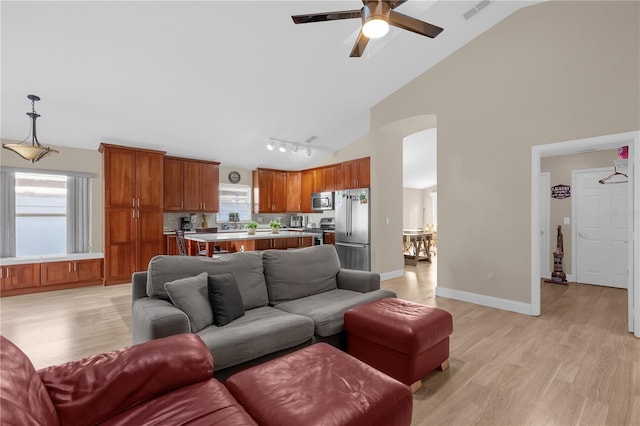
(43, 213)
(234, 199)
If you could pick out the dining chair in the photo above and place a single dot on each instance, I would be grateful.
(202, 247)
(182, 245)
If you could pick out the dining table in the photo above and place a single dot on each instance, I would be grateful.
(416, 246)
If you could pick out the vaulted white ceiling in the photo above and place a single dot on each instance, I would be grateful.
(212, 79)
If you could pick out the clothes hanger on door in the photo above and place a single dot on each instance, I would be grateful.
(615, 173)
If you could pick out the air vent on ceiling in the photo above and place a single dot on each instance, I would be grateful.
(477, 8)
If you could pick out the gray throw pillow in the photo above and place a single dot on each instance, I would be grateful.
(191, 296)
(225, 299)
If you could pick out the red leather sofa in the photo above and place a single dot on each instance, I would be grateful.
(169, 381)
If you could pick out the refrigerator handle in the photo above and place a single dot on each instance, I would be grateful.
(349, 216)
(351, 245)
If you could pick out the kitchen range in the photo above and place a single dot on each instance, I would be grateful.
(326, 224)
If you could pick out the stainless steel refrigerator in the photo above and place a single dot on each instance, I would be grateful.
(353, 228)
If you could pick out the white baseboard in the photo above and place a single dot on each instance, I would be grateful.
(480, 299)
(392, 274)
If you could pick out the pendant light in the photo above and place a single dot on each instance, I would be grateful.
(35, 151)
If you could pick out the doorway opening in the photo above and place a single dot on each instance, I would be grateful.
(632, 212)
(419, 200)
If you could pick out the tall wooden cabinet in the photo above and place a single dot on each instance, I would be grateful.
(191, 185)
(133, 206)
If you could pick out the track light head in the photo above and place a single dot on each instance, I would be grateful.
(270, 145)
(308, 153)
(283, 147)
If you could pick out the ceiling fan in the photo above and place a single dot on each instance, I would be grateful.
(376, 17)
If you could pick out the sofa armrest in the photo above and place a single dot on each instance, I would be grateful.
(153, 318)
(360, 281)
(93, 389)
(138, 285)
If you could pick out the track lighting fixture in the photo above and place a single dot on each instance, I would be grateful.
(292, 146)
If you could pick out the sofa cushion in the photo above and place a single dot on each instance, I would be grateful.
(90, 390)
(246, 267)
(259, 332)
(191, 296)
(292, 274)
(23, 397)
(327, 309)
(205, 403)
(225, 299)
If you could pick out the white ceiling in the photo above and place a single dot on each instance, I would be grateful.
(212, 79)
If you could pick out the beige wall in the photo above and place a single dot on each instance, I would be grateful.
(412, 208)
(560, 169)
(551, 72)
(74, 160)
(428, 205)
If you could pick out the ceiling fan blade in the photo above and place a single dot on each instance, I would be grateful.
(395, 4)
(358, 48)
(414, 25)
(327, 16)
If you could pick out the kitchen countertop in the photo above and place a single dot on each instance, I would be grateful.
(8, 261)
(242, 235)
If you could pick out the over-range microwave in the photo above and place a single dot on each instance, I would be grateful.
(322, 200)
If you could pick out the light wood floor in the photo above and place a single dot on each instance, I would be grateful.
(574, 365)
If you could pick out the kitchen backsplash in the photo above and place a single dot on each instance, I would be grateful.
(172, 220)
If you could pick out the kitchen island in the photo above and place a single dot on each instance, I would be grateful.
(242, 241)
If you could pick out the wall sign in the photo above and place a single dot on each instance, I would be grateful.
(561, 191)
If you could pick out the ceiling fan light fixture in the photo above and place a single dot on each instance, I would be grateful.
(375, 28)
(375, 19)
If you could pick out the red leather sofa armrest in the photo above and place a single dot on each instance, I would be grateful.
(93, 389)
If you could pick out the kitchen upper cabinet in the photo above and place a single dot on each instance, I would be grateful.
(324, 179)
(269, 191)
(191, 185)
(293, 191)
(72, 271)
(173, 184)
(306, 189)
(20, 276)
(133, 222)
(354, 174)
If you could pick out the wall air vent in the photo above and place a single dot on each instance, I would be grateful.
(477, 8)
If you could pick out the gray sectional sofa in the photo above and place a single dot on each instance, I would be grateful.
(291, 298)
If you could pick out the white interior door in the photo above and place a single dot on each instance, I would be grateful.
(601, 229)
(545, 193)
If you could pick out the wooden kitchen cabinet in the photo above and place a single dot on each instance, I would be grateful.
(269, 191)
(354, 174)
(87, 271)
(299, 242)
(20, 276)
(329, 237)
(271, 243)
(324, 179)
(306, 189)
(191, 185)
(293, 191)
(133, 221)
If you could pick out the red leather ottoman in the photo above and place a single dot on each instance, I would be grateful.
(403, 339)
(320, 385)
